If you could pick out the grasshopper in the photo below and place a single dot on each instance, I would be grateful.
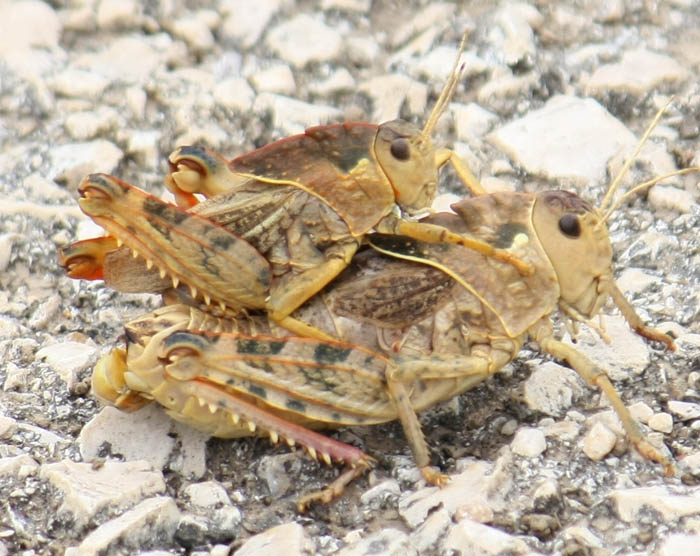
(294, 213)
(417, 323)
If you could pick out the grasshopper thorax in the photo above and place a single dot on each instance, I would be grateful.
(578, 247)
(407, 158)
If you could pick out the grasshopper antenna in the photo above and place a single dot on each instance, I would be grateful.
(616, 182)
(448, 90)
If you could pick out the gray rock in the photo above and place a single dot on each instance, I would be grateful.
(19, 467)
(207, 494)
(671, 198)
(529, 442)
(87, 490)
(275, 79)
(568, 139)
(471, 121)
(388, 541)
(552, 388)
(118, 14)
(153, 518)
(245, 20)
(662, 422)
(685, 411)
(428, 535)
(472, 537)
(389, 92)
(292, 116)
(234, 93)
(288, 538)
(68, 359)
(599, 442)
(73, 161)
(79, 83)
(304, 39)
(631, 504)
(638, 72)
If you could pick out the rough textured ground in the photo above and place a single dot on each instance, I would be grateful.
(552, 94)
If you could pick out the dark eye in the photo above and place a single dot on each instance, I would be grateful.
(400, 149)
(569, 225)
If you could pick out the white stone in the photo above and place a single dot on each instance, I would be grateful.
(634, 281)
(433, 14)
(143, 146)
(195, 32)
(234, 93)
(428, 535)
(552, 388)
(389, 92)
(7, 426)
(599, 442)
(27, 24)
(444, 202)
(691, 463)
(626, 353)
(380, 492)
(19, 467)
(630, 503)
(339, 80)
(569, 138)
(153, 518)
(207, 494)
(73, 161)
(294, 116)
(641, 412)
(79, 83)
(677, 544)
(663, 197)
(662, 422)
(86, 490)
(68, 359)
(388, 541)
(584, 536)
(359, 6)
(288, 539)
(112, 14)
(471, 120)
(362, 50)
(684, 410)
(275, 79)
(563, 430)
(304, 39)
(638, 72)
(127, 59)
(82, 126)
(477, 483)
(529, 442)
(245, 20)
(471, 537)
(515, 40)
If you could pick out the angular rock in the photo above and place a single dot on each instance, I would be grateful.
(471, 537)
(68, 359)
(154, 518)
(86, 490)
(19, 467)
(599, 442)
(245, 20)
(685, 411)
(631, 504)
(389, 92)
(293, 116)
(662, 422)
(552, 388)
(288, 539)
(529, 442)
(638, 72)
(304, 39)
(389, 542)
(73, 161)
(568, 139)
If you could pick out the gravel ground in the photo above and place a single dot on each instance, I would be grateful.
(552, 95)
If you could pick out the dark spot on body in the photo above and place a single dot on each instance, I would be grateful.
(259, 347)
(506, 234)
(165, 211)
(258, 391)
(329, 354)
(295, 405)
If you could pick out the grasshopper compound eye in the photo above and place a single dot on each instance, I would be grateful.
(400, 149)
(569, 225)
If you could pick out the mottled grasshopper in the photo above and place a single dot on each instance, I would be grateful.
(412, 332)
(298, 210)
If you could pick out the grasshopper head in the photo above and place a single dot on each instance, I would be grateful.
(407, 158)
(578, 248)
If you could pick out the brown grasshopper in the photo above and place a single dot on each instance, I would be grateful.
(297, 211)
(413, 332)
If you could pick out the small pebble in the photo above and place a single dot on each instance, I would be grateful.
(529, 442)
(599, 442)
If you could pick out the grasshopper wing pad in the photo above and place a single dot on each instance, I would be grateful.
(500, 220)
(315, 381)
(389, 293)
(335, 163)
(186, 246)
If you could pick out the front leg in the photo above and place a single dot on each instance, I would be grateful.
(443, 156)
(432, 233)
(596, 377)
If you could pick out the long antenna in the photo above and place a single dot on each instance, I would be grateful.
(616, 182)
(447, 91)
